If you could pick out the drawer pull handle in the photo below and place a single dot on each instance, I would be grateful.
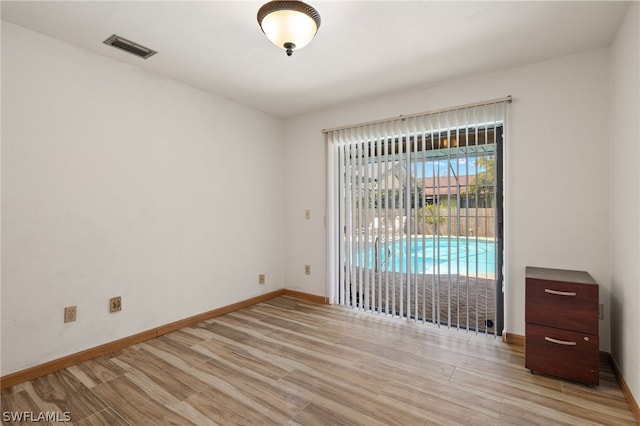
(559, 293)
(559, 342)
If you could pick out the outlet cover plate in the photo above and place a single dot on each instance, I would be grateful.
(70, 313)
(115, 304)
(601, 311)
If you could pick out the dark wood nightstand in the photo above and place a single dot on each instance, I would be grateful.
(561, 314)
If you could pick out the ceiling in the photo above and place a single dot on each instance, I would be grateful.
(362, 49)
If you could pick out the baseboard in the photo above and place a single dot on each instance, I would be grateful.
(307, 296)
(69, 360)
(604, 357)
(187, 322)
(513, 339)
(633, 404)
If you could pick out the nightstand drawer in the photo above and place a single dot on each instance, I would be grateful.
(562, 353)
(570, 306)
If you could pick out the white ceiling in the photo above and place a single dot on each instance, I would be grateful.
(363, 48)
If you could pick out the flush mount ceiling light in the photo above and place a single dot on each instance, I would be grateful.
(289, 24)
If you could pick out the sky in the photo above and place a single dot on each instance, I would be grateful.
(461, 167)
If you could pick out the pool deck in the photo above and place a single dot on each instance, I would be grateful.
(451, 299)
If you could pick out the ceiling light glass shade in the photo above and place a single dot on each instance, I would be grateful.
(289, 24)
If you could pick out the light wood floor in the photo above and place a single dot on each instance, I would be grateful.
(288, 361)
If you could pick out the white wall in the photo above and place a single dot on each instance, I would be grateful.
(557, 213)
(117, 182)
(625, 199)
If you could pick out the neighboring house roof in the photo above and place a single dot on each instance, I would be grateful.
(444, 185)
(395, 176)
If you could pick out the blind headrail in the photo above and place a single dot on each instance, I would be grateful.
(506, 99)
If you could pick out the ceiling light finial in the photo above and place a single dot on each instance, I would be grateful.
(289, 24)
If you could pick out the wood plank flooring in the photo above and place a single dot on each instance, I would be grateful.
(290, 361)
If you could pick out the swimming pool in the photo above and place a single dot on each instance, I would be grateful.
(472, 257)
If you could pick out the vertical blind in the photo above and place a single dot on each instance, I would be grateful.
(415, 216)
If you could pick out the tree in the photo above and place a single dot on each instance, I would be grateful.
(430, 217)
(482, 185)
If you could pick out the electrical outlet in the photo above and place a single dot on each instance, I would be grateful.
(115, 304)
(307, 269)
(261, 279)
(70, 313)
(601, 311)
(307, 214)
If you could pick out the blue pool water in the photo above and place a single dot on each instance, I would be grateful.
(435, 256)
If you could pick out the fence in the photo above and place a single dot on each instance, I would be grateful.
(472, 222)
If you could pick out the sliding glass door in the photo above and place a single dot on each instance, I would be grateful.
(417, 218)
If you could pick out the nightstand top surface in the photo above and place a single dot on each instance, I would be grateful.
(564, 275)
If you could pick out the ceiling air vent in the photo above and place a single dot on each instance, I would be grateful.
(130, 46)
